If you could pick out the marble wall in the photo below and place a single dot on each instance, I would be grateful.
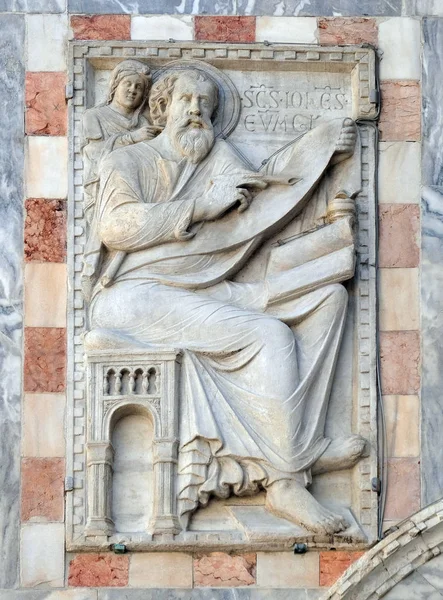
(432, 260)
(32, 409)
(12, 74)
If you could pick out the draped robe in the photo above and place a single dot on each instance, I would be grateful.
(257, 363)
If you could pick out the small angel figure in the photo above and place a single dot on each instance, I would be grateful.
(120, 121)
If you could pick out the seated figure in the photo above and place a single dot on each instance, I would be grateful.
(180, 217)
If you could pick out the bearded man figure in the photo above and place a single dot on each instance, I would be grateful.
(181, 215)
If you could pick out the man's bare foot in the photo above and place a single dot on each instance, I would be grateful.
(342, 453)
(291, 501)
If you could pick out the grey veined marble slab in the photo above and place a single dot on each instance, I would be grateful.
(12, 36)
(152, 7)
(33, 6)
(432, 344)
(423, 8)
(210, 594)
(432, 150)
(241, 7)
(304, 8)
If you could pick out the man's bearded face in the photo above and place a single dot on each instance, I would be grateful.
(189, 118)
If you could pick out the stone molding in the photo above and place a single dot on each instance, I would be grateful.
(413, 543)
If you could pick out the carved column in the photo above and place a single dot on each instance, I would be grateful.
(100, 459)
(165, 518)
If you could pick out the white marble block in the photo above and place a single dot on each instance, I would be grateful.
(42, 555)
(399, 40)
(46, 167)
(162, 27)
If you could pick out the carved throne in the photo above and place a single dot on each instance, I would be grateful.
(122, 383)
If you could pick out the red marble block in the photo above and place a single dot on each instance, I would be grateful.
(101, 27)
(45, 230)
(46, 111)
(400, 116)
(353, 30)
(45, 359)
(399, 230)
(333, 564)
(403, 492)
(99, 570)
(42, 490)
(219, 569)
(225, 29)
(400, 362)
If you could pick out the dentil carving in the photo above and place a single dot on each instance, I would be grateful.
(177, 222)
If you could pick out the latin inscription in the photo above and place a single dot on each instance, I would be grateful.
(272, 109)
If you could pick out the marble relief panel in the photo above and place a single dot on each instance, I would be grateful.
(267, 100)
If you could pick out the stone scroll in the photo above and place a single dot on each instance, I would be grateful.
(222, 333)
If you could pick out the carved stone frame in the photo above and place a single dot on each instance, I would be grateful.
(360, 63)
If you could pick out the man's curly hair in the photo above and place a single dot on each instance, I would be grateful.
(161, 93)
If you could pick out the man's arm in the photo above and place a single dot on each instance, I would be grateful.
(126, 222)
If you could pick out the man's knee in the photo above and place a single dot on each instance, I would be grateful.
(338, 294)
(275, 334)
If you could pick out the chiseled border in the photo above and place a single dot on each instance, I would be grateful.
(361, 61)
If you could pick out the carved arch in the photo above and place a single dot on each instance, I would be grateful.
(407, 564)
(125, 408)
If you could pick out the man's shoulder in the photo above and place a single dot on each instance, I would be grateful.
(129, 155)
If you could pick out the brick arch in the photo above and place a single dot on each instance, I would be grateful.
(403, 564)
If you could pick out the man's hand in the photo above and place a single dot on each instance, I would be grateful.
(226, 191)
(346, 142)
(147, 132)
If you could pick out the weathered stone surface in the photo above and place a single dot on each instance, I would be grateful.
(401, 111)
(399, 41)
(43, 430)
(12, 79)
(162, 27)
(432, 343)
(402, 414)
(432, 153)
(287, 570)
(219, 569)
(334, 564)
(42, 550)
(42, 493)
(45, 359)
(46, 111)
(286, 29)
(42, 179)
(399, 299)
(396, 159)
(399, 235)
(101, 27)
(225, 29)
(400, 362)
(161, 570)
(96, 570)
(301, 8)
(403, 497)
(337, 30)
(45, 230)
(45, 294)
(46, 42)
